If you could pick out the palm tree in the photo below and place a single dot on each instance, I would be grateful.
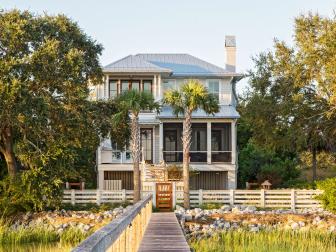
(134, 102)
(192, 96)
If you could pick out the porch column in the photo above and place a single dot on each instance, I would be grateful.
(159, 84)
(106, 88)
(100, 179)
(161, 142)
(155, 88)
(209, 142)
(233, 142)
(153, 144)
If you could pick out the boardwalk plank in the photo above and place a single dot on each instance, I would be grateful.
(164, 234)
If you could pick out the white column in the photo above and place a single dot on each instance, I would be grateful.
(209, 142)
(106, 87)
(100, 179)
(161, 143)
(155, 88)
(234, 142)
(159, 84)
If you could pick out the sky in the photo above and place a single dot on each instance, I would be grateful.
(182, 26)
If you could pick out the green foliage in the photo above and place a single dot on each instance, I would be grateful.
(257, 164)
(31, 190)
(328, 197)
(277, 240)
(210, 206)
(73, 236)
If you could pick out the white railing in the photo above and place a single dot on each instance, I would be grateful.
(282, 198)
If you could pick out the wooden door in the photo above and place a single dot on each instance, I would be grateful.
(164, 196)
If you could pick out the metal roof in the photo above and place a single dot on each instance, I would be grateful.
(174, 64)
(225, 111)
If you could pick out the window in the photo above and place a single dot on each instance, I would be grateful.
(113, 88)
(135, 85)
(221, 142)
(124, 86)
(146, 138)
(116, 153)
(198, 148)
(213, 87)
(147, 86)
(172, 142)
(168, 85)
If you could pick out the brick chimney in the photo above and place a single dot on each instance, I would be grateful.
(230, 49)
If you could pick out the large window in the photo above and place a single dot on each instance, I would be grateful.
(168, 85)
(198, 148)
(213, 87)
(146, 138)
(221, 142)
(172, 142)
(119, 86)
(113, 88)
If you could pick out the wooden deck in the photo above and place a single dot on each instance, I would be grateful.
(164, 234)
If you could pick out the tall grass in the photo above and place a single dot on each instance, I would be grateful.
(39, 235)
(265, 241)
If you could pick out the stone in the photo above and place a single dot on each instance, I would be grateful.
(295, 226)
(226, 208)
(254, 229)
(188, 217)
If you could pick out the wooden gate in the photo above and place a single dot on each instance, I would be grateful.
(164, 196)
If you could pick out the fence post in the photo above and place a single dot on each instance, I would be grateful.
(98, 199)
(231, 197)
(174, 194)
(73, 200)
(200, 197)
(293, 199)
(123, 195)
(154, 194)
(262, 198)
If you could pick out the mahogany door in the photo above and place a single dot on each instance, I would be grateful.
(164, 196)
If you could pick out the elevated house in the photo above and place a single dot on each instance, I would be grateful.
(213, 152)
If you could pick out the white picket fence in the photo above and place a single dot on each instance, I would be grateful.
(294, 199)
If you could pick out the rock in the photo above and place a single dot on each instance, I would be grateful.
(295, 226)
(226, 208)
(302, 224)
(235, 209)
(227, 225)
(254, 229)
(250, 208)
(332, 228)
(188, 217)
(86, 228)
(198, 216)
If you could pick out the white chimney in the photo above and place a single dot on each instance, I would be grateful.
(230, 49)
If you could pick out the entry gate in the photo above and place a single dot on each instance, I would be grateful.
(164, 197)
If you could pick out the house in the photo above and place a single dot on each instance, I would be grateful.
(213, 152)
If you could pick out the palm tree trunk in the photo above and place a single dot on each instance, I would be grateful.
(135, 149)
(186, 140)
(314, 163)
(6, 147)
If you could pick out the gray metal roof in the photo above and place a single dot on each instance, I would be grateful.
(226, 111)
(174, 64)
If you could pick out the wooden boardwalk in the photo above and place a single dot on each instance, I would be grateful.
(164, 234)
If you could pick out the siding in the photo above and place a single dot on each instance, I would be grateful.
(126, 178)
(226, 90)
(209, 180)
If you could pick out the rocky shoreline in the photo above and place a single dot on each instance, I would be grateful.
(198, 223)
(61, 220)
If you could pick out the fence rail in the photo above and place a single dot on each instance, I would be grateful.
(293, 199)
(123, 234)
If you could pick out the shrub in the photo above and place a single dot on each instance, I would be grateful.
(328, 198)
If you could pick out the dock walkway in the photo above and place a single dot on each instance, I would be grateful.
(163, 234)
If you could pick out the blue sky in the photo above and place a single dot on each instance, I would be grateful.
(182, 26)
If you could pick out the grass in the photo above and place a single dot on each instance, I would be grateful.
(265, 241)
(39, 235)
(92, 207)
